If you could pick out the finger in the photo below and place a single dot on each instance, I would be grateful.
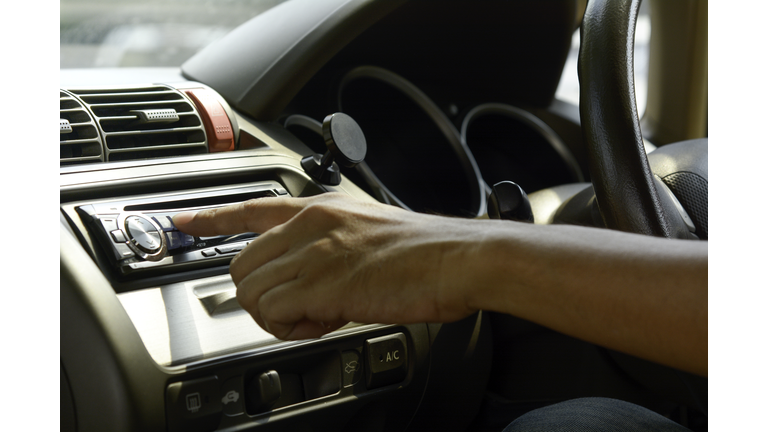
(295, 310)
(243, 296)
(260, 280)
(256, 215)
(306, 329)
(262, 250)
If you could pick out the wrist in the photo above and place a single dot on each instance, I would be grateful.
(476, 262)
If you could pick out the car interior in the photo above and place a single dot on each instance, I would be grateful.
(432, 106)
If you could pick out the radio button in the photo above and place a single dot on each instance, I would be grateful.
(122, 251)
(109, 223)
(118, 236)
(164, 222)
(174, 239)
(187, 240)
(230, 249)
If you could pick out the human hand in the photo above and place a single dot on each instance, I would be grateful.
(326, 260)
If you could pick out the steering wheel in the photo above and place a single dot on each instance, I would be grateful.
(630, 197)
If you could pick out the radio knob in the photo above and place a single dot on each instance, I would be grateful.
(143, 234)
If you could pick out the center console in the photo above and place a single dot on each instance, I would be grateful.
(153, 312)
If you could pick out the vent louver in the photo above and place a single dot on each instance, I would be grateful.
(128, 121)
(79, 140)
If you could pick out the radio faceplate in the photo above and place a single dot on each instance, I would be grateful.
(137, 234)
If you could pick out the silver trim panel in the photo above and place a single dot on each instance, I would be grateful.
(188, 322)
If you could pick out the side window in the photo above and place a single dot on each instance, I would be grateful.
(568, 90)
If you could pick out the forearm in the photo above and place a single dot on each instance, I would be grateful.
(323, 261)
(640, 295)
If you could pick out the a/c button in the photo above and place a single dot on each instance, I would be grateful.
(387, 360)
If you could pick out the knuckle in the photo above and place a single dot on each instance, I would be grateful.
(332, 196)
(247, 210)
(243, 298)
(321, 247)
(246, 213)
(251, 205)
(235, 271)
(241, 266)
(321, 213)
(265, 305)
(205, 216)
(315, 211)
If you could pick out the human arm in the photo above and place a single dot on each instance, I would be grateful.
(326, 260)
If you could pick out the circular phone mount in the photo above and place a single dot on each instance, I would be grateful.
(346, 146)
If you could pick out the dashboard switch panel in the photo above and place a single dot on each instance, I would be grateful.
(137, 233)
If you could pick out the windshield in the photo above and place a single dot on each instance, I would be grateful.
(139, 33)
(165, 33)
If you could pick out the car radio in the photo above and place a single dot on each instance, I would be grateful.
(138, 233)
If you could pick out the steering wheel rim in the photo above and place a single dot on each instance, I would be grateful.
(621, 175)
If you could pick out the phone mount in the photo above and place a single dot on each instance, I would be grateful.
(346, 146)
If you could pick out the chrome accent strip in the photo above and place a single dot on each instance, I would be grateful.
(156, 147)
(165, 115)
(137, 132)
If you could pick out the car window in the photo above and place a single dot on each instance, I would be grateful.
(115, 33)
(568, 89)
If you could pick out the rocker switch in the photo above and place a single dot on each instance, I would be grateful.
(262, 391)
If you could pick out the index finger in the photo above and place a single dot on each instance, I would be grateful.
(256, 215)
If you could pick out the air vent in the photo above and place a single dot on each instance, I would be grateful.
(147, 122)
(79, 140)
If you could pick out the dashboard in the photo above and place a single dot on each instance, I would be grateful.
(171, 317)
(152, 336)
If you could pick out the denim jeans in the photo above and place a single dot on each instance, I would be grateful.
(593, 415)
